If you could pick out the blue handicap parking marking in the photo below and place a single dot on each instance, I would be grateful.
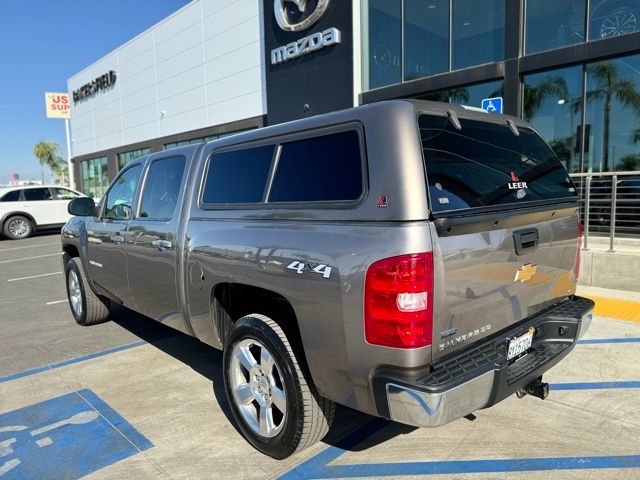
(493, 105)
(65, 437)
(321, 466)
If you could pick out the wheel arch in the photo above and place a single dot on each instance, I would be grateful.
(7, 216)
(231, 301)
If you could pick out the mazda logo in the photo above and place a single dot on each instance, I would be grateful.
(306, 18)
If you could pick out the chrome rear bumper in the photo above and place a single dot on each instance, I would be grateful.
(431, 402)
(424, 409)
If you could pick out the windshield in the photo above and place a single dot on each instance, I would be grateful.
(485, 164)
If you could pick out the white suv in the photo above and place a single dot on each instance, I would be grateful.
(23, 209)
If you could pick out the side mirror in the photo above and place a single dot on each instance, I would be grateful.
(82, 207)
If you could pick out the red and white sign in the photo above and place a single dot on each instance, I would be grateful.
(57, 105)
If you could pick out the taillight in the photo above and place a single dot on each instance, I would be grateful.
(398, 301)
(577, 269)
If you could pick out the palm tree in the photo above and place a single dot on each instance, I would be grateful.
(459, 95)
(49, 154)
(609, 85)
(534, 97)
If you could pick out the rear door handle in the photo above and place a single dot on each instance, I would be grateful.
(162, 244)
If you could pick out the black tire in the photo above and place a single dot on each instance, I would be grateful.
(308, 416)
(93, 308)
(17, 227)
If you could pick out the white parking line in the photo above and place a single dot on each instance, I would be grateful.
(28, 246)
(31, 258)
(56, 302)
(33, 276)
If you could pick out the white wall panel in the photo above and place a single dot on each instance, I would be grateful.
(202, 66)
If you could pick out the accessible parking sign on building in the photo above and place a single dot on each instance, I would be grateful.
(493, 105)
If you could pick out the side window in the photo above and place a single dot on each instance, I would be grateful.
(120, 196)
(321, 169)
(239, 176)
(37, 194)
(13, 196)
(65, 194)
(162, 188)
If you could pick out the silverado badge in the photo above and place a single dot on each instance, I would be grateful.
(526, 272)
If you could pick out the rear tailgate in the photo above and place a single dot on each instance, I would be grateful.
(506, 226)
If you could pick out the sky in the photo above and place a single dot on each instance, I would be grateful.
(42, 44)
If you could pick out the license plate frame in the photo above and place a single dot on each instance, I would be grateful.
(520, 345)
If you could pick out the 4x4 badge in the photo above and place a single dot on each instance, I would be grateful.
(301, 267)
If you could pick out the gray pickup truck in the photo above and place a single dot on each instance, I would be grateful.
(412, 260)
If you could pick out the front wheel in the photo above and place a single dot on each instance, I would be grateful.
(87, 307)
(277, 410)
(18, 227)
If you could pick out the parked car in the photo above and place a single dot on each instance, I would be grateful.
(412, 260)
(25, 209)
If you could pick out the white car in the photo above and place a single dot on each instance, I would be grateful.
(23, 209)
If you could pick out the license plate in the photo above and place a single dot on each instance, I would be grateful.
(519, 345)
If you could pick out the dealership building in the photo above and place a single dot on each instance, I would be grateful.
(219, 67)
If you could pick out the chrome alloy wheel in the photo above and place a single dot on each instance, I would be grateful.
(258, 387)
(75, 294)
(18, 227)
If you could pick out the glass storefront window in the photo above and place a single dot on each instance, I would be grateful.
(126, 157)
(471, 95)
(478, 32)
(553, 24)
(610, 18)
(613, 115)
(183, 143)
(383, 43)
(426, 38)
(95, 178)
(552, 103)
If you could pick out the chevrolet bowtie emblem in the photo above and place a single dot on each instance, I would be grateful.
(526, 272)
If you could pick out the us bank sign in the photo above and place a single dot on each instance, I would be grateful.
(306, 19)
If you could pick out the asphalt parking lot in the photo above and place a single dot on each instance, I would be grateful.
(133, 399)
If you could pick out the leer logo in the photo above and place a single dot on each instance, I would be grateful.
(515, 183)
(307, 19)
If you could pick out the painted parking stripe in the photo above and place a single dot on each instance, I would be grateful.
(594, 341)
(28, 246)
(56, 302)
(318, 466)
(33, 276)
(30, 258)
(473, 466)
(72, 361)
(593, 385)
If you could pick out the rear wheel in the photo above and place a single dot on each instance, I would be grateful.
(278, 411)
(87, 307)
(18, 227)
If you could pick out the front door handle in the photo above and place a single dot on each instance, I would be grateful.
(162, 244)
(117, 239)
